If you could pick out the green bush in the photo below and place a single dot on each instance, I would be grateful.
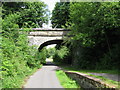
(41, 56)
(19, 60)
(50, 52)
(110, 60)
(95, 27)
(61, 54)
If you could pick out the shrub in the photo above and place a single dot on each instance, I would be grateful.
(41, 56)
(61, 54)
(110, 60)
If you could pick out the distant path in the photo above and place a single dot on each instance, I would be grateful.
(109, 76)
(44, 78)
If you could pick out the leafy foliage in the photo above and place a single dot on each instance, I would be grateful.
(18, 59)
(60, 14)
(96, 35)
(32, 14)
(42, 55)
(95, 27)
(60, 55)
(50, 52)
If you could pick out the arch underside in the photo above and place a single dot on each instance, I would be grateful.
(58, 41)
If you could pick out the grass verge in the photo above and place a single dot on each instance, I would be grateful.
(107, 81)
(70, 68)
(65, 81)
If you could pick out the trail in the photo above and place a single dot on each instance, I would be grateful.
(44, 78)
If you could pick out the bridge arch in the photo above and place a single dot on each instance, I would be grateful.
(57, 41)
(41, 37)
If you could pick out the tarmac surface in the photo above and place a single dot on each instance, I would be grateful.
(44, 78)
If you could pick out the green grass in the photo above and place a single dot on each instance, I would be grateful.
(65, 81)
(70, 68)
(107, 81)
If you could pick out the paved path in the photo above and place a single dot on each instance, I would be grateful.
(114, 77)
(44, 78)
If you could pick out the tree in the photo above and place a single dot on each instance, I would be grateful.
(18, 58)
(91, 22)
(60, 14)
(95, 27)
(32, 14)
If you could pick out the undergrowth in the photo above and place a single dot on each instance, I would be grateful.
(19, 60)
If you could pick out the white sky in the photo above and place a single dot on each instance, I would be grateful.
(51, 5)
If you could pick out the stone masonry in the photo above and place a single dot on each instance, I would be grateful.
(38, 35)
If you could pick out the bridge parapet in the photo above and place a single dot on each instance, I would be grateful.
(48, 32)
(49, 29)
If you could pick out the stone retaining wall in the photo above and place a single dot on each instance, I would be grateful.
(86, 81)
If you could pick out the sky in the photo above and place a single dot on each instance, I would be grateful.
(51, 5)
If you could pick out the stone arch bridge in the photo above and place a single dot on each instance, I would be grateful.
(43, 37)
